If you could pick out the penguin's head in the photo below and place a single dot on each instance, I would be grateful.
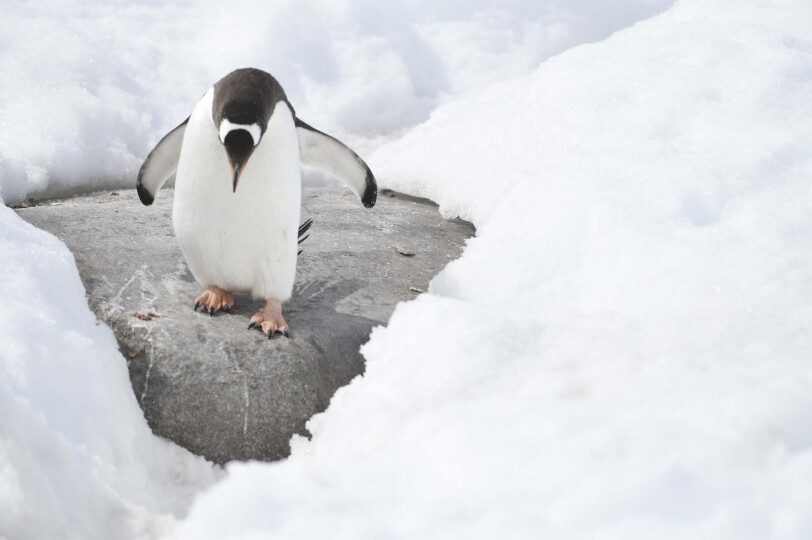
(241, 108)
(239, 141)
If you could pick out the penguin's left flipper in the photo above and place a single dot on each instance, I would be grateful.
(318, 149)
(160, 164)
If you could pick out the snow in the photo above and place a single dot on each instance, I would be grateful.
(83, 103)
(624, 349)
(87, 91)
(77, 459)
(621, 352)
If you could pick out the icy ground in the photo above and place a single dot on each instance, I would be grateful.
(622, 352)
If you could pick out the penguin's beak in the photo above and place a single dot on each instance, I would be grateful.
(236, 170)
(239, 147)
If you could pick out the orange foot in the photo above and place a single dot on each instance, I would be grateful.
(269, 319)
(215, 299)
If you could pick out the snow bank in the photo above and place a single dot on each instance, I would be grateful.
(624, 350)
(88, 89)
(77, 459)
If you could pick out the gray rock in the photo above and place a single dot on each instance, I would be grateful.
(209, 383)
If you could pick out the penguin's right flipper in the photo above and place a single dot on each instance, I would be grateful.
(160, 164)
(318, 149)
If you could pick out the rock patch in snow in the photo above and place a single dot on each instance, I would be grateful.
(210, 384)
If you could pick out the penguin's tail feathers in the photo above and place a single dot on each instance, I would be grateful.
(303, 228)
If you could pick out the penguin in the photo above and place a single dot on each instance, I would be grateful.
(236, 161)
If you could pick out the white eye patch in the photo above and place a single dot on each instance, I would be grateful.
(227, 127)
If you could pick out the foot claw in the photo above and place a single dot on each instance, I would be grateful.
(214, 299)
(269, 320)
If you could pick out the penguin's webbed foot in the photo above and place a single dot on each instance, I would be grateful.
(214, 299)
(269, 320)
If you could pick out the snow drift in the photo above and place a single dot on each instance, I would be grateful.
(89, 89)
(77, 459)
(624, 350)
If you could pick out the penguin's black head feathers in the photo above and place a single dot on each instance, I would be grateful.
(243, 103)
(246, 97)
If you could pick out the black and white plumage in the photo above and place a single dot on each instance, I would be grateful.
(238, 189)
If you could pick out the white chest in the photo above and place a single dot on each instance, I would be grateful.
(243, 240)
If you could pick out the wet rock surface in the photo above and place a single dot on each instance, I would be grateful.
(209, 383)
